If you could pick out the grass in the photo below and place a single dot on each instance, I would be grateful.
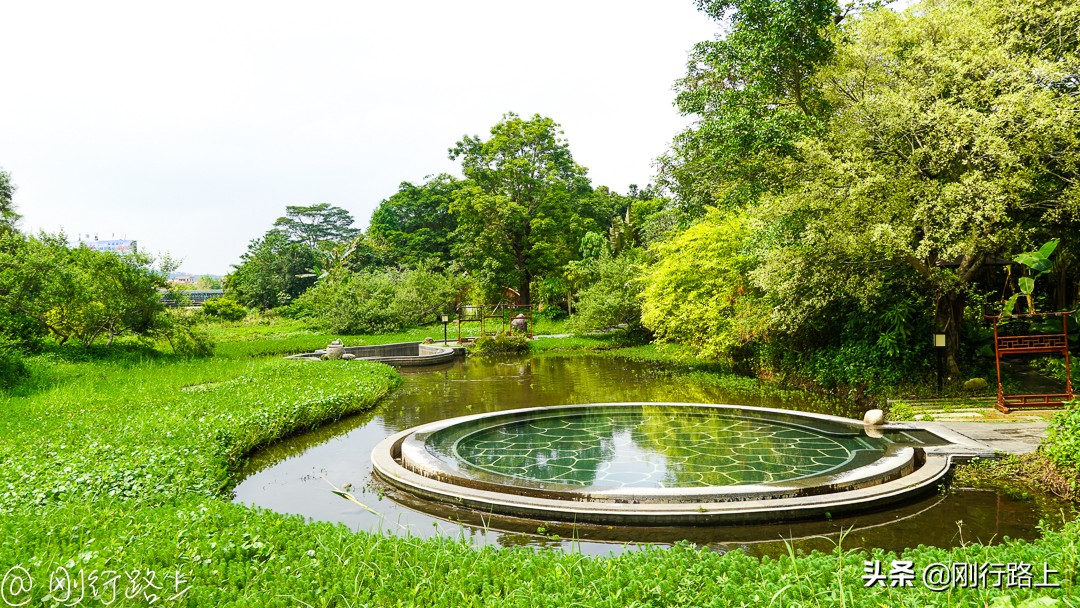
(263, 335)
(123, 463)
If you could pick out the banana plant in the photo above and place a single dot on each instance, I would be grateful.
(1038, 263)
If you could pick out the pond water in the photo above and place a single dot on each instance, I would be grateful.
(299, 474)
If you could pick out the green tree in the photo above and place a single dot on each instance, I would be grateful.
(414, 225)
(314, 225)
(8, 216)
(753, 94)
(208, 282)
(614, 294)
(380, 300)
(525, 207)
(81, 294)
(273, 271)
(948, 146)
(698, 293)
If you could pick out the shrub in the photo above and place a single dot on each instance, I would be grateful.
(614, 298)
(1063, 437)
(379, 301)
(901, 411)
(12, 368)
(185, 339)
(21, 330)
(698, 294)
(224, 308)
(502, 343)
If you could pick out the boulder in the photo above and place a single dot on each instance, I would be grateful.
(519, 324)
(874, 418)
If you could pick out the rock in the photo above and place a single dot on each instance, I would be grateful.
(519, 323)
(874, 418)
(976, 384)
(428, 340)
(348, 357)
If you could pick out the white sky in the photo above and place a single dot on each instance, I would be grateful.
(190, 126)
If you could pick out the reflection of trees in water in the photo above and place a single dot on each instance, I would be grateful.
(563, 450)
(492, 384)
(705, 449)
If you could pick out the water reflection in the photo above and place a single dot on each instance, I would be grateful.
(289, 477)
(649, 446)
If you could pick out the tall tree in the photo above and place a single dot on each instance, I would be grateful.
(948, 146)
(414, 225)
(752, 94)
(317, 224)
(524, 211)
(8, 216)
(273, 271)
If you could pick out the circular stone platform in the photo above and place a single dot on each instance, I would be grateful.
(659, 463)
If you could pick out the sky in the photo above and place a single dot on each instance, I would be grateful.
(189, 127)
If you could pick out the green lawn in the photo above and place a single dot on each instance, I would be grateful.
(126, 462)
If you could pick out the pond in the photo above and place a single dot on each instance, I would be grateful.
(295, 476)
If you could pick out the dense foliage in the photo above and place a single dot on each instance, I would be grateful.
(884, 165)
(85, 296)
(272, 272)
(1063, 439)
(414, 226)
(379, 300)
(698, 294)
(612, 296)
(502, 343)
(224, 308)
(526, 207)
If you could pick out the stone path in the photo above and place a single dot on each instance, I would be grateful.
(1009, 437)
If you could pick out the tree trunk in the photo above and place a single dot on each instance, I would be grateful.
(947, 320)
(526, 296)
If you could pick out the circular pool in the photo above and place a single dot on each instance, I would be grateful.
(659, 463)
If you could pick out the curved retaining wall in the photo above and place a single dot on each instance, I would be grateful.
(400, 354)
(905, 473)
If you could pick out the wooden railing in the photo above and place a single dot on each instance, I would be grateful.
(1031, 344)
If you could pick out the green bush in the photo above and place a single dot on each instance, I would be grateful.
(378, 301)
(1062, 443)
(614, 298)
(502, 343)
(900, 411)
(12, 368)
(224, 308)
(698, 293)
(21, 330)
(184, 338)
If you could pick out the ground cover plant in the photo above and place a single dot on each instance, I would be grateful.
(124, 462)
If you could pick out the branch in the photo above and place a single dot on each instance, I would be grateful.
(918, 265)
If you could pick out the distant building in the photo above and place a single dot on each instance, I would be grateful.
(118, 245)
(183, 279)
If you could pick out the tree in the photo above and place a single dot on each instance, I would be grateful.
(208, 282)
(8, 216)
(81, 294)
(753, 94)
(948, 146)
(698, 293)
(414, 225)
(524, 209)
(273, 271)
(317, 224)
(614, 295)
